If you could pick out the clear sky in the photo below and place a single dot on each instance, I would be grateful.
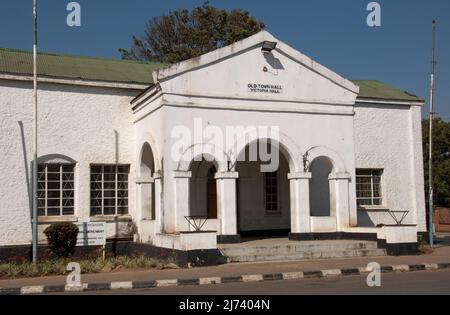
(332, 32)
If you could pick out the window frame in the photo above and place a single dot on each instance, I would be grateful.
(116, 198)
(61, 190)
(374, 173)
(278, 202)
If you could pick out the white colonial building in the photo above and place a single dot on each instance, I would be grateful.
(166, 154)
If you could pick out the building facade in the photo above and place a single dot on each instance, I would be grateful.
(251, 139)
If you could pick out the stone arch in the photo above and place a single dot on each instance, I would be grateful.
(55, 158)
(147, 141)
(146, 164)
(332, 156)
(204, 151)
(284, 143)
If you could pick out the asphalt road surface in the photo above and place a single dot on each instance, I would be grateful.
(428, 283)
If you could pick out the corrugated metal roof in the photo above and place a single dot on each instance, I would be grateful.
(378, 90)
(14, 61)
(76, 67)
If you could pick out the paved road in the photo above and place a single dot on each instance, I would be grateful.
(430, 282)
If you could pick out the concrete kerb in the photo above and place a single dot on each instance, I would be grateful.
(139, 285)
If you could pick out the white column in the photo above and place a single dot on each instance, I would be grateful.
(182, 200)
(300, 205)
(158, 206)
(227, 203)
(145, 189)
(344, 215)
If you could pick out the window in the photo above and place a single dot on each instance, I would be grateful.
(55, 189)
(109, 189)
(368, 187)
(271, 192)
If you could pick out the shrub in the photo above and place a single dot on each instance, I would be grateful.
(62, 238)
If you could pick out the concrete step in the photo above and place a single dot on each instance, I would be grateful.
(309, 255)
(283, 249)
(295, 248)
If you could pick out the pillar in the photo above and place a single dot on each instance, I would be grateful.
(158, 203)
(227, 207)
(344, 215)
(182, 200)
(300, 205)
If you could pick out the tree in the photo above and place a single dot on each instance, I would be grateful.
(441, 160)
(184, 34)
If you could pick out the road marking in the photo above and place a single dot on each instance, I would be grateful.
(331, 273)
(121, 285)
(252, 278)
(32, 289)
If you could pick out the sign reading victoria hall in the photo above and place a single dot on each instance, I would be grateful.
(265, 88)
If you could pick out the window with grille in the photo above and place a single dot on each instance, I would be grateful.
(55, 189)
(109, 189)
(368, 187)
(271, 192)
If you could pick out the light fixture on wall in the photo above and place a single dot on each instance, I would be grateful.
(268, 46)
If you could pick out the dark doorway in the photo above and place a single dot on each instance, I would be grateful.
(212, 193)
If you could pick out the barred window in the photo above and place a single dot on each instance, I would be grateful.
(55, 189)
(109, 189)
(271, 192)
(368, 187)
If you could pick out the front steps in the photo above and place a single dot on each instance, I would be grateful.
(283, 249)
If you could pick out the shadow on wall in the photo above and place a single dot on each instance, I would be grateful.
(274, 62)
(364, 219)
(26, 168)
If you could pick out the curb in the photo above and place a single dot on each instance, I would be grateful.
(139, 285)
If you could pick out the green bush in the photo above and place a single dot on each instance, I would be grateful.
(62, 238)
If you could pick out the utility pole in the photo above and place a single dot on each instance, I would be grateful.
(35, 166)
(433, 69)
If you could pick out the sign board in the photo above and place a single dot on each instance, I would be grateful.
(265, 88)
(91, 234)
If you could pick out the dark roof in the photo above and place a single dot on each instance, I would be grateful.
(75, 67)
(13, 61)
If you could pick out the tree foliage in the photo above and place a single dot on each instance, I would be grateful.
(441, 160)
(184, 34)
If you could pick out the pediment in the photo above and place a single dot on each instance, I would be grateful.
(244, 71)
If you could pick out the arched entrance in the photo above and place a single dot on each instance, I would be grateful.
(146, 184)
(321, 192)
(263, 197)
(203, 190)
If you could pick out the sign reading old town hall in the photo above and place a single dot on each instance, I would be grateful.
(265, 88)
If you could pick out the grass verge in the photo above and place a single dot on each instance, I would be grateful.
(56, 267)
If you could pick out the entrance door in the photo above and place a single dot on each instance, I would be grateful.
(212, 194)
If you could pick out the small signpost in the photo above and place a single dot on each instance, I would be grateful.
(92, 234)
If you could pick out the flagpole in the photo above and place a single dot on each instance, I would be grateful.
(430, 174)
(35, 167)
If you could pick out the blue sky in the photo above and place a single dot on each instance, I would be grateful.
(332, 32)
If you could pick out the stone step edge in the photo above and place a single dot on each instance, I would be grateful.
(296, 275)
(291, 250)
(326, 253)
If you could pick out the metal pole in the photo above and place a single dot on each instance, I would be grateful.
(433, 69)
(35, 167)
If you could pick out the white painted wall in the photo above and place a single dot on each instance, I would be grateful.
(87, 124)
(389, 137)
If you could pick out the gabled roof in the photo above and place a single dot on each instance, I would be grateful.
(20, 62)
(254, 41)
